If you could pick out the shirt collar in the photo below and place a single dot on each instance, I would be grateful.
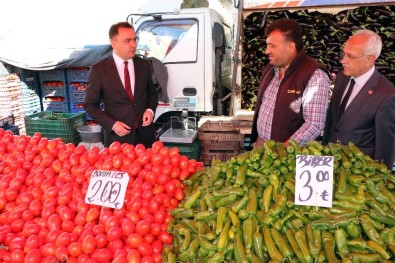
(361, 80)
(118, 60)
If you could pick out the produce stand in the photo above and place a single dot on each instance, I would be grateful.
(243, 210)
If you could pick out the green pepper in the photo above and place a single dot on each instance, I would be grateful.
(191, 201)
(340, 241)
(225, 201)
(329, 246)
(182, 213)
(290, 233)
(241, 175)
(313, 241)
(203, 241)
(267, 197)
(378, 248)
(374, 191)
(366, 258)
(222, 213)
(252, 204)
(272, 249)
(368, 228)
(239, 249)
(237, 190)
(247, 233)
(292, 142)
(281, 243)
(257, 241)
(223, 239)
(235, 220)
(354, 229)
(279, 205)
(204, 215)
(300, 237)
(242, 158)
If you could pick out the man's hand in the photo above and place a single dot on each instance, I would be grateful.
(148, 117)
(121, 129)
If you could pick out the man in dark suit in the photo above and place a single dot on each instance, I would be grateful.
(126, 90)
(364, 116)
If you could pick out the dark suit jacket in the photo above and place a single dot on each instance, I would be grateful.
(105, 85)
(368, 121)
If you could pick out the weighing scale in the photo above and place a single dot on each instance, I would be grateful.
(184, 135)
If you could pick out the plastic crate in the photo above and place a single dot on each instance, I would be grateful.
(78, 74)
(54, 88)
(191, 150)
(55, 74)
(65, 128)
(56, 106)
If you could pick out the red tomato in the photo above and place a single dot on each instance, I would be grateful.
(33, 256)
(88, 244)
(48, 249)
(145, 249)
(134, 240)
(157, 247)
(170, 188)
(114, 233)
(157, 146)
(63, 240)
(101, 241)
(134, 256)
(143, 227)
(128, 227)
(165, 238)
(17, 256)
(104, 255)
(115, 148)
(75, 249)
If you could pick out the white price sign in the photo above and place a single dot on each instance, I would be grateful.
(314, 180)
(107, 188)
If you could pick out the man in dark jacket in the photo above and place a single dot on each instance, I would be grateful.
(123, 82)
(293, 93)
(365, 115)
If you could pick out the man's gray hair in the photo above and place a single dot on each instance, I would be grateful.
(373, 43)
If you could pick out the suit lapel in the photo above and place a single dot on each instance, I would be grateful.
(364, 94)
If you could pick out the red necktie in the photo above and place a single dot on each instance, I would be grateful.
(346, 98)
(128, 87)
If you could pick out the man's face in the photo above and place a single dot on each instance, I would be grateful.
(125, 43)
(355, 62)
(279, 50)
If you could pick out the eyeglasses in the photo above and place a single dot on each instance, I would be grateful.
(350, 57)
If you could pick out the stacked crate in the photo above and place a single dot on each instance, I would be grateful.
(78, 83)
(54, 90)
(30, 91)
(11, 100)
(220, 140)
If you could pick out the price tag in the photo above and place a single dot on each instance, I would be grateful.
(314, 180)
(107, 188)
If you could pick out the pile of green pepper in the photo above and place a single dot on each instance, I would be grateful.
(243, 210)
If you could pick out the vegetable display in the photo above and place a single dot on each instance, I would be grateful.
(43, 213)
(243, 210)
(323, 34)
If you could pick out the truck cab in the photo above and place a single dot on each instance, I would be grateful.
(193, 45)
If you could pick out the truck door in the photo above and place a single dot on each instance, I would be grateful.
(179, 43)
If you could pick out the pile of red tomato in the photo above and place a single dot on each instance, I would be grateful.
(43, 215)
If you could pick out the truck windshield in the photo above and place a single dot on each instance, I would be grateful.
(170, 41)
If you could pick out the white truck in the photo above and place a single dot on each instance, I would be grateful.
(194, 46)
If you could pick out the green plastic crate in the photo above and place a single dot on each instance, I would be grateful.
(65, 128)
(191, 150)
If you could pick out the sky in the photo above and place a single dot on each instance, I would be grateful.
(58, 24)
